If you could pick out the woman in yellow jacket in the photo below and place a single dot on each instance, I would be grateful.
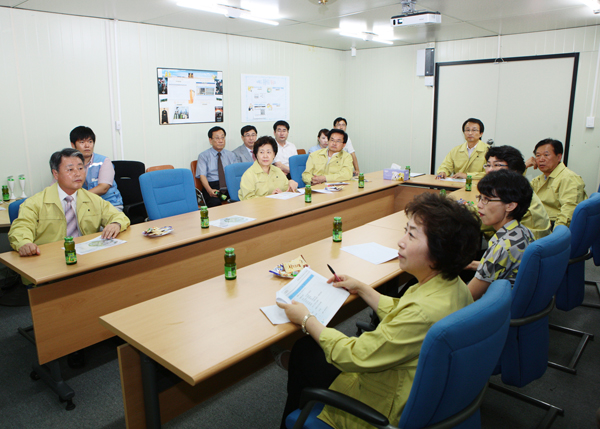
(378, 367)
(467, 158)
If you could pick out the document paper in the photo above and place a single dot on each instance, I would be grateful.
(311, 289)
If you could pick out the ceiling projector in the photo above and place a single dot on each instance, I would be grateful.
(418, 18)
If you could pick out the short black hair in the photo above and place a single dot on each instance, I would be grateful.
(475, 121)
(323, 131)
(336, 131)
(512, 156)
(336, 120)
(247, 128)
(510, 187)
(56, 157)
(82, 133)
(556, 145)
(214, 130)
(452, 231)
(263, 141)
(283, 123)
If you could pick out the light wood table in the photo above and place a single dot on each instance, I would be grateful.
(4, 218)
(68, 300)
(429, 180)
(211, 334)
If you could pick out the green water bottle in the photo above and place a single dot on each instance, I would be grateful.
(70, 255)
(443, 192)
(5, 193)
(204, 222)
(361, 180)
(469, 183)
(408, 168)
(230, 264)
(337, 229)
(308, 194)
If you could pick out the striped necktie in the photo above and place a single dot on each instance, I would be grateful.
(72, 230)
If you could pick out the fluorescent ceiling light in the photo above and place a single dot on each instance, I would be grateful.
(366, 36)
(222, 9)
(594, 5)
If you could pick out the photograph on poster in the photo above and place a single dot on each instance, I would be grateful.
(189, 96)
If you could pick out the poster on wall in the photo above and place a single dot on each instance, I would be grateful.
(189, 96)
(265, 98)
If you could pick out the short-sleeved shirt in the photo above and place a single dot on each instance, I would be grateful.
(208, 163)
(284, 153)
(506, 248)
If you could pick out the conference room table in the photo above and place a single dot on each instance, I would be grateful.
(430, 181)
(4, 218)
(67, 300)
(213, 333)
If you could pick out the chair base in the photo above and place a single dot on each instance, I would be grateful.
(551, 410)
(585, 337)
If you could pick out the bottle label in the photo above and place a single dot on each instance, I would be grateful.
(307, 198)
(231, 272)
(204, 223)
(70, 257)
(361, 183)
(337, 236)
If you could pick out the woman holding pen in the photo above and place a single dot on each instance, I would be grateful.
(378, 367)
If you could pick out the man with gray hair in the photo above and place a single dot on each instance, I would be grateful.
(63, 209)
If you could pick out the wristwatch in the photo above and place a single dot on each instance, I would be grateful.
(308, 316)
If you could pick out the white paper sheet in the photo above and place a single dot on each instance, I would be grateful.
(96, 244)
(285, 195)
(234, 220)
(450, 179)
(416, 174)
(311, 289)
(372, 252)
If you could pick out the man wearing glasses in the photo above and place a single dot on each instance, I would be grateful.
(331, 164)
(467, 158)
(244, 152)
(559, 188)
(100, 172)
(507, 157)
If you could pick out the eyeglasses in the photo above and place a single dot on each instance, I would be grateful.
(485, 200)
(250, 135)
(468, 130)
(336, 141)
(496, 165)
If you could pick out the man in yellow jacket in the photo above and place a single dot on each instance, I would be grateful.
(42, 217)
(559, 188)
(467, 158)
(331, 164)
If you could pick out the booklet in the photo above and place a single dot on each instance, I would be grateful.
(311, 289)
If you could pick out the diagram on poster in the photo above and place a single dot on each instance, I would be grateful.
(189, 96)
(265, 98)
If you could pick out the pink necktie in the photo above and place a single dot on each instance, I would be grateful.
(72, 230)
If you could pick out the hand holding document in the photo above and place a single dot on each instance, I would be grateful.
(311, 289)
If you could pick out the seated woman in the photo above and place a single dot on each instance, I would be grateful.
(467, 158)
(378, 367)
(263, 178)
(322, 141)
(504, 198)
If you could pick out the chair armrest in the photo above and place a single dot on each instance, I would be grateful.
(534, 317)
(312, 395)
(583, 257)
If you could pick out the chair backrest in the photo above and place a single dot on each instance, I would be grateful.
(13, 209)
(168, 193)
(233, 177)
(197, 182)
(159, 167)
(301, 151)
(127, 176)
(297, 167)
(457, 358)
(596, 244)
(544, 263)
(585, 231)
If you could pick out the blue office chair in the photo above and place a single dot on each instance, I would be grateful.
(233, 177)
(585, 231)
(596, 244)
(13, 209)
(525, 354)
(297, 167)
(457, 358)
(168, 192)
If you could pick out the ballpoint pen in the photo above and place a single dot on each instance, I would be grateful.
(337, 279)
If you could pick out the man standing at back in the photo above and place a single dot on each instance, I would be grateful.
(559, 188)
(341, 124)
(63, 209)
(211, 166)
(330, 164)
(244, 152)
(286, 149)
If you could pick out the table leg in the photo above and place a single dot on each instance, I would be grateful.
(151, 401)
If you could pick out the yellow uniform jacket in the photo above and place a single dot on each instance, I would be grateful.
(340, 166)
(458, 161)
(256, 183)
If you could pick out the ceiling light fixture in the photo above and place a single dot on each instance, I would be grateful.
(223, 9)
(594, 5)
(367, 37)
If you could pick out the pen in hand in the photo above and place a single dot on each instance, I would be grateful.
(337, 279)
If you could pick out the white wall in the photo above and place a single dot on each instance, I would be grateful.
(60, 71)
(391, 111)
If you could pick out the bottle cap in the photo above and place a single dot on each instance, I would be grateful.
(229, 250)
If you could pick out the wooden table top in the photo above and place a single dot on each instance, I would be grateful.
(4, 218)
(429, 180)
(50, 265)
(202, 329)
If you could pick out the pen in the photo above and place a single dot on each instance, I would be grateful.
(337, 279)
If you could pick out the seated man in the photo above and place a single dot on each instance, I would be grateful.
(331, 164)
(43, 217)
(467, 158)
(211, 166)
(244, 152)
(559, 188)
(286, 149)
(341, 124)
(502, 157)
(100, 172)
(504, 197)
